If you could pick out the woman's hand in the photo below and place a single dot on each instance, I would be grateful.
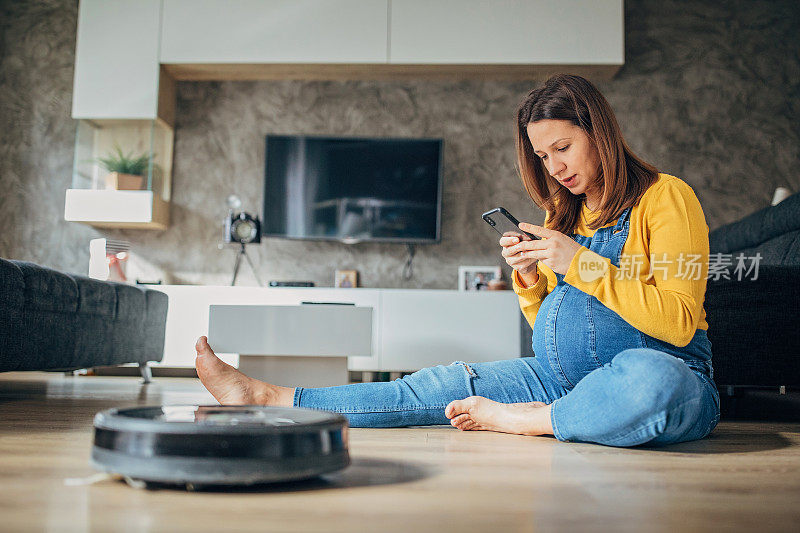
(513, 254)
(555, 249)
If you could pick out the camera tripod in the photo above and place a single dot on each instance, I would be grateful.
(243, 253)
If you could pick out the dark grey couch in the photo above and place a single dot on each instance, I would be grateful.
(50, 320)
(754, 325)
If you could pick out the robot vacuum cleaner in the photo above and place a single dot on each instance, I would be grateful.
(196, 445)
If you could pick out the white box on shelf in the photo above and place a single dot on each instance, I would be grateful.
(110, 208)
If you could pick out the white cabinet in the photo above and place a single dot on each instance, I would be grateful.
(506, 32)
(274, 31)
(130, 50)
(421, 328)
(116, 59)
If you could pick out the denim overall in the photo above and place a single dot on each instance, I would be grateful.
(575, 334)
(606, 381)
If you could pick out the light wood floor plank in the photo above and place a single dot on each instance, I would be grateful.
(745, 477)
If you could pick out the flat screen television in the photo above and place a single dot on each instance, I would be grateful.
(353, 189)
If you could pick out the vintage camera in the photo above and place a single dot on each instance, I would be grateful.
(240, 227)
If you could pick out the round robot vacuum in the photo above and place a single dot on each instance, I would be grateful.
(219, 445)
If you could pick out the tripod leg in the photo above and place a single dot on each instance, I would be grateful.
(236, 267)
(253, 268)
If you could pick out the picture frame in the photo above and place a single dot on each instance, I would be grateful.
(345, 279)
(477, 278)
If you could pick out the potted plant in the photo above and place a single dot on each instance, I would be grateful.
(126, 172)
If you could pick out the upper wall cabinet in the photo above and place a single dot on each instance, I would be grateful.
(130, 52)
(116, 59)
(588, 32)
(274, 31)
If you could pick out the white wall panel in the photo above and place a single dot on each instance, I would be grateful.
(116, 59)
(507, 31)
(274, 31)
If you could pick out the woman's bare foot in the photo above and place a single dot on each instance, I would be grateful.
(231, 387)
(479, 413)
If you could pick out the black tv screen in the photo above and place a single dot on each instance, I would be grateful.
(352, 190)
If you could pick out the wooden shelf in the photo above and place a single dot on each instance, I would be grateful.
(253, 72)
(116, 209)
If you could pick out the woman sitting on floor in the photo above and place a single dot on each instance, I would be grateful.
(614, 292)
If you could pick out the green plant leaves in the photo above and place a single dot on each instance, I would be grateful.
(125, 164)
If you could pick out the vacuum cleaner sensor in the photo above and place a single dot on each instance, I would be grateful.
(219, 445)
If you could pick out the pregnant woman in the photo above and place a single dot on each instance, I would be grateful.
(614, 292)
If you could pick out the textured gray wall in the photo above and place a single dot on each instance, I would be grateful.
(708, 93)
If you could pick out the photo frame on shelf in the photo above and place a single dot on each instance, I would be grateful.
(346, 279)
(477, 278)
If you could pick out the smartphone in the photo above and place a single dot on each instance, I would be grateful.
(503, 221)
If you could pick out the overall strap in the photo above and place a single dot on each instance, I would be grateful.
(623, 217)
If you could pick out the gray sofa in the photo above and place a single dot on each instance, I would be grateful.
(754, 324)
(50, 320)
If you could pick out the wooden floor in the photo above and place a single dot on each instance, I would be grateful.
(745, 477)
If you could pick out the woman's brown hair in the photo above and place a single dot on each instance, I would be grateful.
(623, 177)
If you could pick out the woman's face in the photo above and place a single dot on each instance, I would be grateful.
(568, 155)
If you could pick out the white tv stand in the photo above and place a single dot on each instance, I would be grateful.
(411, 329)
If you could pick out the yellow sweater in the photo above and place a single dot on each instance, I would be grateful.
(668, 239)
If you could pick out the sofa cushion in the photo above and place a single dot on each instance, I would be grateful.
(12, 285)
(157, 304)
(96, 297)
(12, 300)
(131, 303)
(47, 289)
(781, 250)
(758, 228)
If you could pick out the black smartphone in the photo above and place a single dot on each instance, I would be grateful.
(503, 221)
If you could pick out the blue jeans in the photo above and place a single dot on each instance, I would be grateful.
(607, 382)
(641, 396)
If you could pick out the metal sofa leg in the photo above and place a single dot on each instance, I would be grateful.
(782, 390)
(147, 374)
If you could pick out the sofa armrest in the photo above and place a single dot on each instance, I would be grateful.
(754, 328)
(757, 228)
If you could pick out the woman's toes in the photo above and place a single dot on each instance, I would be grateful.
(202, 348)
(457, 407)
(451, 410)
(467, 425)
(459, 419)
(207, 363)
